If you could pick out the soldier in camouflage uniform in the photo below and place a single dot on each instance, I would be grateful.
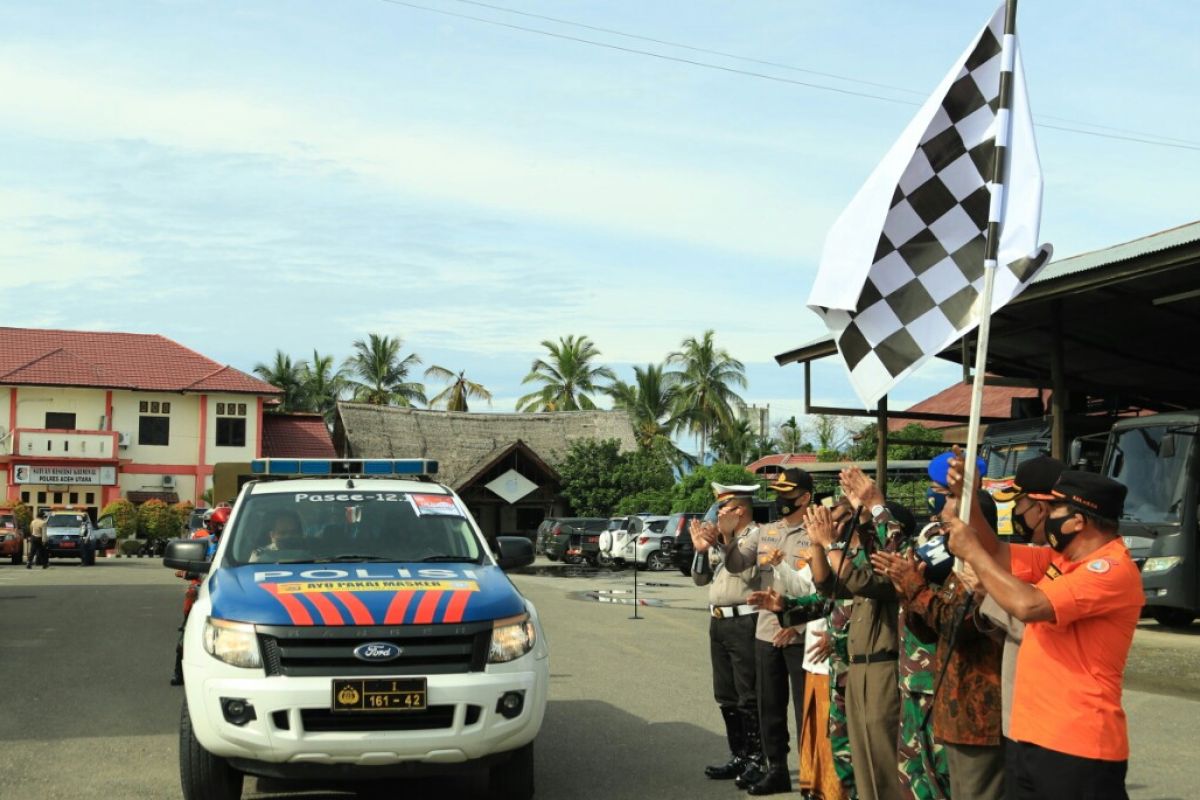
(924, 774)
(839, 660)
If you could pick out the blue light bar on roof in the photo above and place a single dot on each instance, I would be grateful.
(378, 467)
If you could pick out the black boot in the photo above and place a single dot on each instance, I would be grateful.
(753, 767)
(735, 735)
(776, 781)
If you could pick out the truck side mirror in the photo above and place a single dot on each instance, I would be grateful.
(514, 552)
(189, 555)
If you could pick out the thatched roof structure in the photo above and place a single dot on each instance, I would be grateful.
(467, 444)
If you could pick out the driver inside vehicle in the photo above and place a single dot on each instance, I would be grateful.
(286, 533)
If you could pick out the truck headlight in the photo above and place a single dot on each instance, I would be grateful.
(232, 642)
(512, 638)
(1160, 564)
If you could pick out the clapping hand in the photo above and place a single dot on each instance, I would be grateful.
(818, 522)
(769, 599)
(773, 556)
(861, 490)
(704, 535)
(906, 573)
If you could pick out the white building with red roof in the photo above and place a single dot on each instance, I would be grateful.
(88, 417)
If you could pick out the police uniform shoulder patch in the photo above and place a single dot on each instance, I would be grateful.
(1099, 566)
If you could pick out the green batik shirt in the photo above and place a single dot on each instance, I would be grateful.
(916, 657)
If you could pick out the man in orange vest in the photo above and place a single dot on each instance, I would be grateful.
(1080, 599)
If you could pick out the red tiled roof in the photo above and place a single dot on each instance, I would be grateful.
(782, 461)
(33, 357)
(956, 399)
(296, 436)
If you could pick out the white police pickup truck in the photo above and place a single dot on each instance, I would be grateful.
(354, 624)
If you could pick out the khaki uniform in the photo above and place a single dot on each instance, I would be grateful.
(780, 670)
(872, 679)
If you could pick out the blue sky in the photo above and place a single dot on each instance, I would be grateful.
(245, 176)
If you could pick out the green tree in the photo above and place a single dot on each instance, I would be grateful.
(125, 517)
(322, 385)
(734, 441)
(460, 390)
(866, 442)
(652, 403)
(22, 513)
(568, 376)
(381, 372)
(286, 375)
(694, 491)
(707, 375)
(791, 437)
(155, 520)
(596, 477)
(182, 512)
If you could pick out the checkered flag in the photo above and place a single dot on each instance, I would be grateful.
(932, 199)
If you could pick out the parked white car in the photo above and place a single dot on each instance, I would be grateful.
(637, 538)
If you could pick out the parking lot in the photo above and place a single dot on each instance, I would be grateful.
(88, 713)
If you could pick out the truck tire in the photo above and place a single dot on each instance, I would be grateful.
(203, 775)
(513, 779)
(1173, 617)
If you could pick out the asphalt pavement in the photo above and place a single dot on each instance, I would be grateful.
(86, 654)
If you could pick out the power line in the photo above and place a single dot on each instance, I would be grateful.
(794, 68)
(1181, 144)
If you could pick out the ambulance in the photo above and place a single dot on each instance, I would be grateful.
(354, 624)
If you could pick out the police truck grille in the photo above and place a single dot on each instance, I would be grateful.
(329, 651)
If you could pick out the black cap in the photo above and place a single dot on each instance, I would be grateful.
(1091, 493)
(988, 504)
(791, 479)
(1035, 479)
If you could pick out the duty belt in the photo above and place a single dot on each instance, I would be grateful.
(875, 658)
(725, 612)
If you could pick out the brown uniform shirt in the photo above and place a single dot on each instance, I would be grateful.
(753, 552)
(875, 609)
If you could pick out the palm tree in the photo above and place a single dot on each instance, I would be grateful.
(460, 390)
(651, 401)
(322, 385)
(734, 441)
(567, 377)
(382, 373)
(706, 377)
(287, 375)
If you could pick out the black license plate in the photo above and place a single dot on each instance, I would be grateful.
(379, 694)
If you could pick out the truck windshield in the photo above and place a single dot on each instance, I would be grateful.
(64, 521)
(1151, 462)
(1003, 459)
(303, 527)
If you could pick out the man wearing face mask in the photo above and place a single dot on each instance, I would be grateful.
(1031, 496)
(779, 651)
(1080, 615)
(731, 629)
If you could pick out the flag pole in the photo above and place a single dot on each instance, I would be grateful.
(991, 253)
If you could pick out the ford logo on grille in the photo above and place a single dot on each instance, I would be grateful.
(377, 651)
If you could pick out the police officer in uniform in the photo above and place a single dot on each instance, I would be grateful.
(779, 651)
(730, 629)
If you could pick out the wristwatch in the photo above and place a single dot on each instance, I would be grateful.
(839, 545)
(878, 513)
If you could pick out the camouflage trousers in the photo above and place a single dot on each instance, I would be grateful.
(839, 733)
(924, 774)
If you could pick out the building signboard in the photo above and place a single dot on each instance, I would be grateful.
(65, 475)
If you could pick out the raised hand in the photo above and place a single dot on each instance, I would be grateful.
(818, 521)
(906, 573)
(704, 535)
(861, 490)
(769, 599)
(962, 540)
(954, 473)
(774, 555)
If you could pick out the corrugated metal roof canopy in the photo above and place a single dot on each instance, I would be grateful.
(1130, 321)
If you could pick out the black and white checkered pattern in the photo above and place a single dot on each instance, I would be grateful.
(927, 274)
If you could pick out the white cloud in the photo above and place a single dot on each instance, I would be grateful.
(50, 95)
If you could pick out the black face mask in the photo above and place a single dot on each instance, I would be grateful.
(786, 506)
(1054, 533)
(1021, 527)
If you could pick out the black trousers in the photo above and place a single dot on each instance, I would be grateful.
(39, 553)
(1040, 773)
(731, 647)
(778, 668)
